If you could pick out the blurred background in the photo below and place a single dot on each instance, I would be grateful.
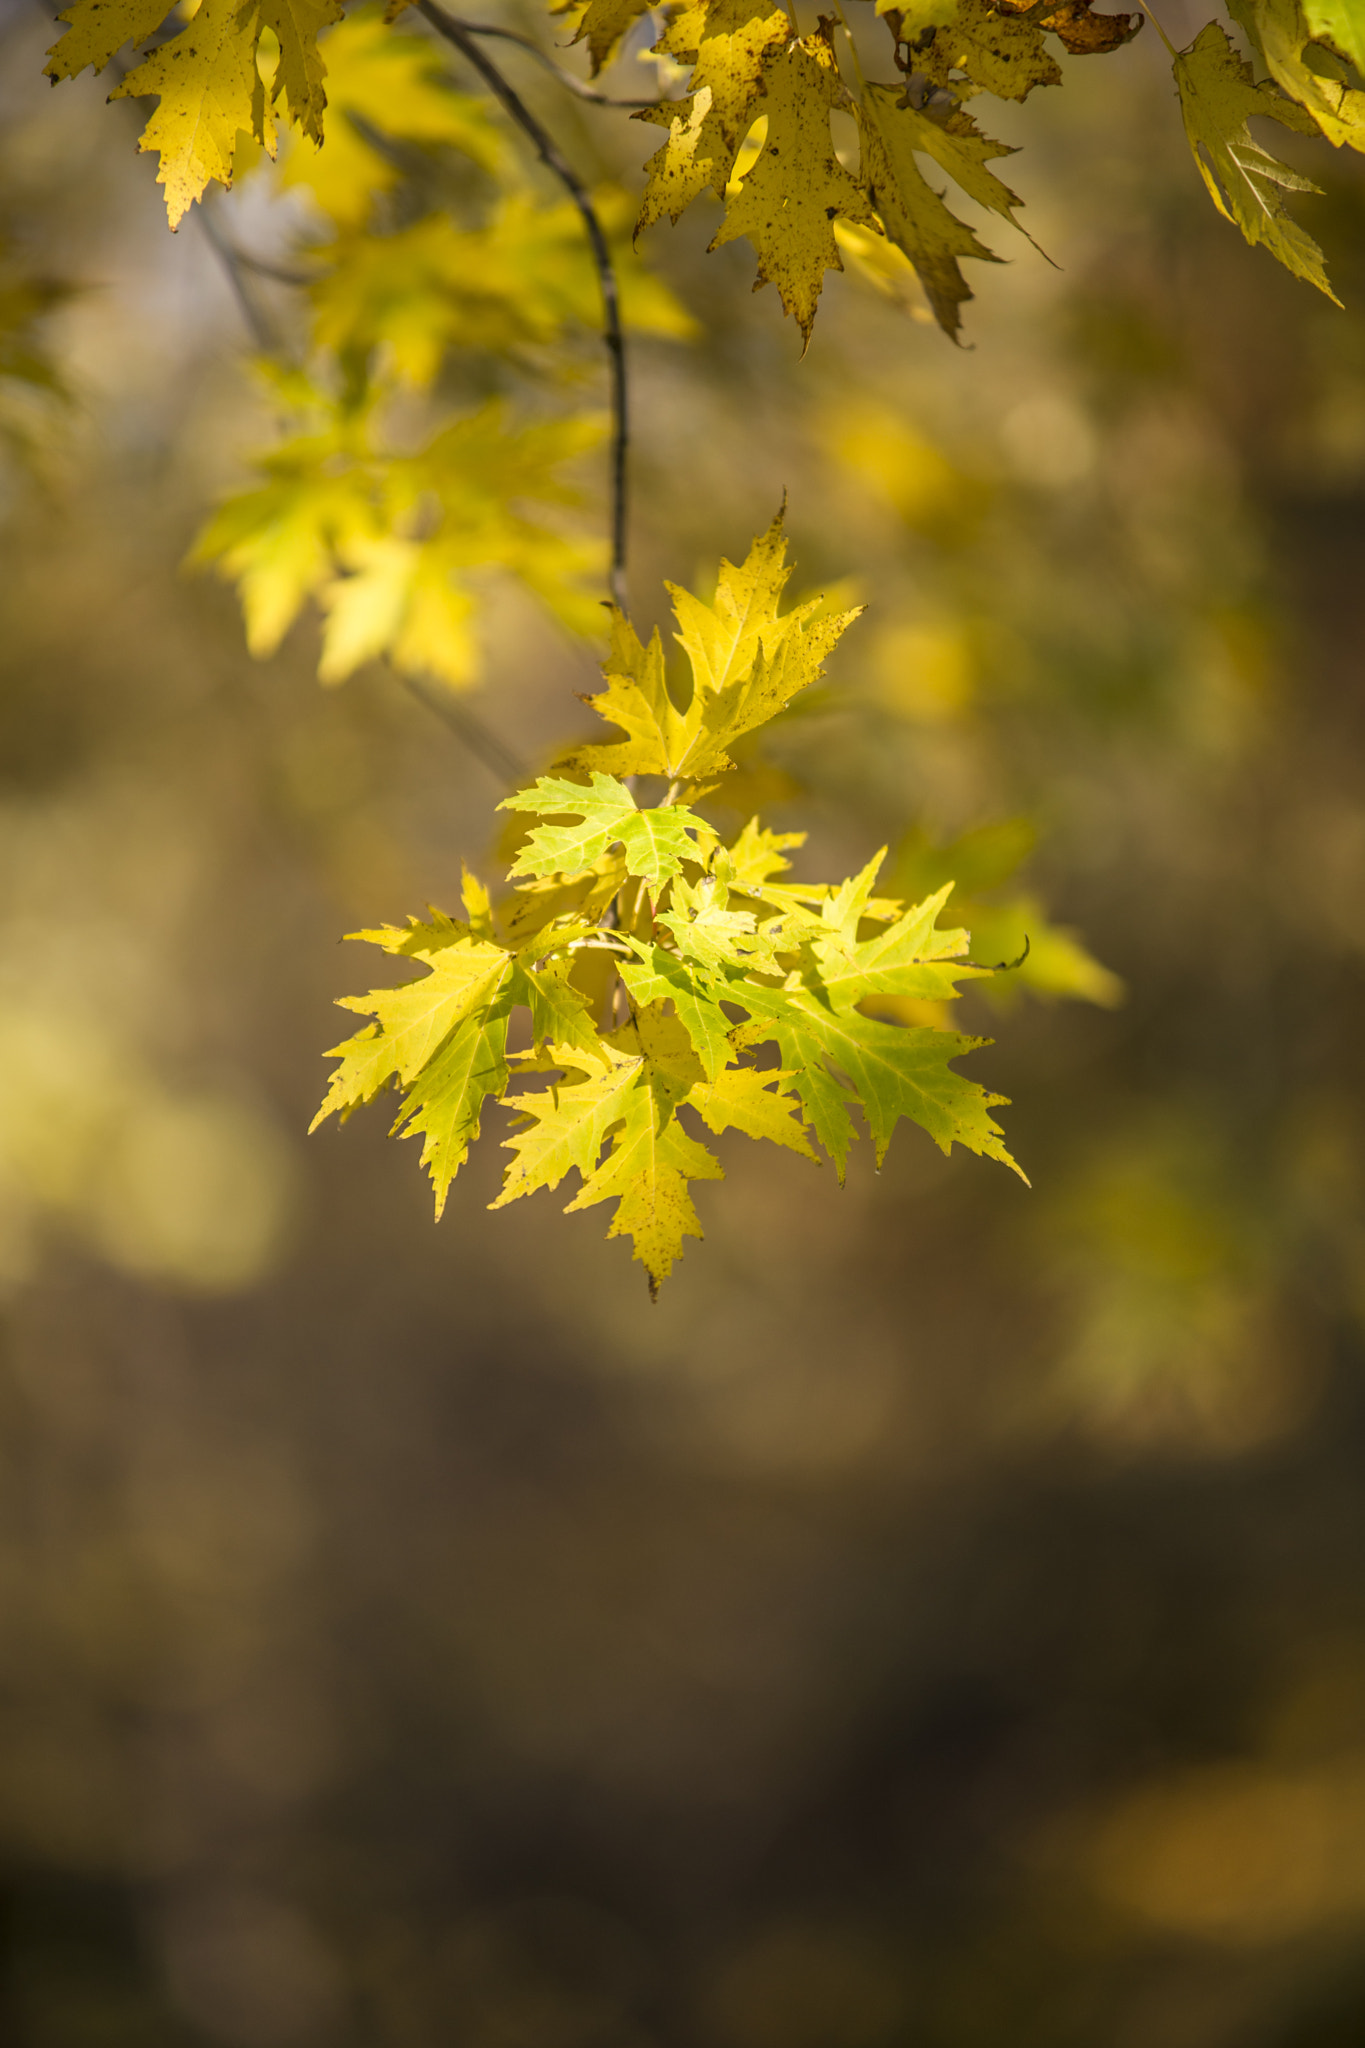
(940, 1622)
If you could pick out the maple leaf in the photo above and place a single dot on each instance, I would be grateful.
(896, 1071)
(629, 1105)
(383, 82)
(747, 661)
(755, 1101)
(994, 52)
(758, 854)
(538, 902)
(727, 43)
(646, 1173)
(329, 524)
(206, 78)
(913, 215)
(1339, 23)
(209, 90)
(797, 186)
(1218, 95)
(559, 1012)
(98, 30)
(658, 976)
(1279, 30)
(563, 1129)
(706, 931)
(523, 278)
(655, 842)
(907, 958)
(444, 1106)
(602, 23)
(413, 1020)
(1081, 32)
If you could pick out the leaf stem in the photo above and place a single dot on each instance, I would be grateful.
(463, 39)
(1159, 29)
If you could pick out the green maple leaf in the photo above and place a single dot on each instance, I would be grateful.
(710, 934)
(747, 661)
(1218, 94)
(797, 187)
(896, 1071)
(908, 958)
(559, 1012)
(659, 976)
(654, 842)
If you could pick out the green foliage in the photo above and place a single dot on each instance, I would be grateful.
(1218, 96)
(661, 969)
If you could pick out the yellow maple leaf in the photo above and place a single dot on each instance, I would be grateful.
(797, 188)
(913, 215)
(983, 50)
(98, 29)
(207, 79)
(747, 661)
(383, 79)
(728, 43)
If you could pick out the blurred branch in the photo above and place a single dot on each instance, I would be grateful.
(464, 40)
(566, 78)
(235, 264)
(467, 726)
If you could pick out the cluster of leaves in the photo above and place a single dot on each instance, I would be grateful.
(754, 125)
(430, 265)
(663, 971)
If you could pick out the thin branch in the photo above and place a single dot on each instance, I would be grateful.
(276, 271)
(566, 78)
(467, 726)
(262, 333)
(465, 42)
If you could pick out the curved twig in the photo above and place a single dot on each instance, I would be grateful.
(463, 39)
(566, 78)
(480, 739)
